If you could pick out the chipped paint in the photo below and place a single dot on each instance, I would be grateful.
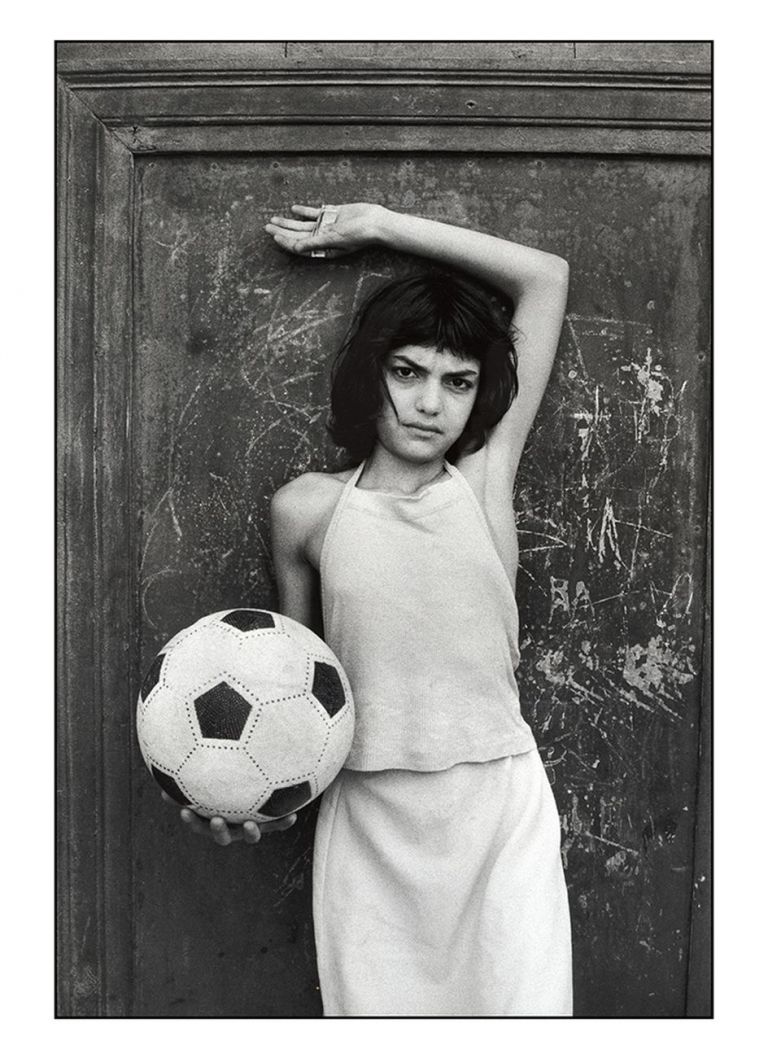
(655, 668)
(650, 381)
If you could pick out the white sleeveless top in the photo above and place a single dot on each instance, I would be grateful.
(420, 612)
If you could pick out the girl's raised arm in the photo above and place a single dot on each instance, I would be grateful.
(535, 281)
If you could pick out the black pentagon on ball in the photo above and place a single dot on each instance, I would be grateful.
(222, 712)
(152, 676)
(248, 620)
(286, 799)
(169, 784)
(328, 688)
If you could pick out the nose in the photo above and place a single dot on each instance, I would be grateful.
(429, 400)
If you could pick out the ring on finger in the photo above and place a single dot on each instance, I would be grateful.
(328, 215)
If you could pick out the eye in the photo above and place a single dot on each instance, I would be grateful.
(401, 371)
(461, 384)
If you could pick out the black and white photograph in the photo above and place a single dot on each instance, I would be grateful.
(383, 529)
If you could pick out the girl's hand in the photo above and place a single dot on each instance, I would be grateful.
(355, 226)
(223, 833)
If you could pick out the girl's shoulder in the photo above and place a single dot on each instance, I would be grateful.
(313, 487)
(303, 507)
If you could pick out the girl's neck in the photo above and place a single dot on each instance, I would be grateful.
(385, 472)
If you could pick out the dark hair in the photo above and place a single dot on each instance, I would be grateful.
(439, 309)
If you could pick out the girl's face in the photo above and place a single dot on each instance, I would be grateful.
(432, 395)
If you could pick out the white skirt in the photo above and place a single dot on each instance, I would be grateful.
(442, 893)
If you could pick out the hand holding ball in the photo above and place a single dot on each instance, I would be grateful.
(246, 714)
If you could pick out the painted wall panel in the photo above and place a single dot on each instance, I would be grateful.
(233, 347)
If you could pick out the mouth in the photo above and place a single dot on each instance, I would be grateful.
(421, 429)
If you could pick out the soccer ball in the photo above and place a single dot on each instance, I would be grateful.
(246, 714)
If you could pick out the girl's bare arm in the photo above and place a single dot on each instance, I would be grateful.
(294, 513)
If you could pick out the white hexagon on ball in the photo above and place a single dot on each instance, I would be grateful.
(165, 731)
(207, 653)
(224, 782)
(280, 670)
(288, 739)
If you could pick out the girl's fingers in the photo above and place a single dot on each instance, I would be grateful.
(306, 211)
(293, 243)
(302, 242)
(283, 236)
(294, 225)
(280, 824)
(251, 832)
(220, 831)
(193, 821)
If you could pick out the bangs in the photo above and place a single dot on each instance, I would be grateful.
(436, 310)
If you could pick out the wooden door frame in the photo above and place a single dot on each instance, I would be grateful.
(117, 101)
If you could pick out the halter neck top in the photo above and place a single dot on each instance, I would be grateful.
(419, 610)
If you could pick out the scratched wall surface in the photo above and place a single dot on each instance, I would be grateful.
(234, 345)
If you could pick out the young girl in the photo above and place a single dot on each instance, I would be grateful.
(438, 885)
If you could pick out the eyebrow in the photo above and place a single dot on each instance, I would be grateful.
(469, 372)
